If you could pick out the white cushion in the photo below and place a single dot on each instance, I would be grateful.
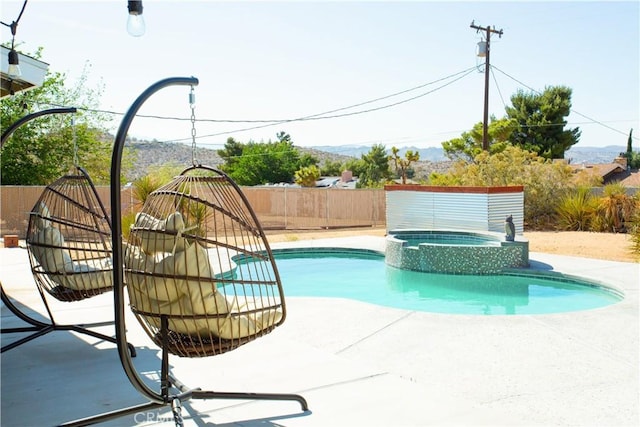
(188, 290)
(87, 274)
(153, 239)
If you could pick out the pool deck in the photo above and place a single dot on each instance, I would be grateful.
(356, 364)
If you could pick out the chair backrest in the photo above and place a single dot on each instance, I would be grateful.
(69, 239)
(198, 259)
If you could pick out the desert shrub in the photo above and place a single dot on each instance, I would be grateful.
(615, 208)
(127, 221)
(634, 226)
(545, 182)
(576, 210)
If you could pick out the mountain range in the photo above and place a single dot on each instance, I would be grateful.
(153, 154)
(589, 155)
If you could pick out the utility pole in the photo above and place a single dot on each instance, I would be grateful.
(485, 122)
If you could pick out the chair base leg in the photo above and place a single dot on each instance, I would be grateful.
(174, 402)
(43, 329)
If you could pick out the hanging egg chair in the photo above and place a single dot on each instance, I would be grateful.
(198, 256)
(68, 242)
(200, 276)
(69, 239)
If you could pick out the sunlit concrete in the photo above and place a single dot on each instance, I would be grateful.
(357, 364)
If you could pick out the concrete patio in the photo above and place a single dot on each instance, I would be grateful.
(356, 364)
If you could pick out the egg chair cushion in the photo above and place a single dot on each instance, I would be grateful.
(48, 248)
(160, 235)
(181, 284)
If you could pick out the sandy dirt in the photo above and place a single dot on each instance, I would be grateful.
(607, 246)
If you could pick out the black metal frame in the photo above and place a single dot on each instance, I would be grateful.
(37, 327)
(164, 397)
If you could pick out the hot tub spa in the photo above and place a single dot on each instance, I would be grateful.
(454, 251)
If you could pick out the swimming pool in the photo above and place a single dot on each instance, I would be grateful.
(364, 276)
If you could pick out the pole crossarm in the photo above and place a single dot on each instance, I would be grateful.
(488, 30)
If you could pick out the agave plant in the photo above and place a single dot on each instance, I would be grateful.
(576, 210)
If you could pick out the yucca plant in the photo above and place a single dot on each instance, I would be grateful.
(616, 207)
(576, 210)
(144, 186)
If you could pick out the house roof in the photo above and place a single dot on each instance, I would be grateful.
(632, 180)
(33, 73)
(610, 172)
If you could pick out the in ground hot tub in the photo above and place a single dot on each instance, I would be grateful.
(454, 251)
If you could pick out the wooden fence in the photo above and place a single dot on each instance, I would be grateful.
(281, 208)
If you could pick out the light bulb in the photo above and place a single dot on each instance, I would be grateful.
(14, 64)
(135, 22)
(135, 25)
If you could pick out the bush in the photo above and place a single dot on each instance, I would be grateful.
(634, 228)
(545, 183)
(577, 210)
(615, 208)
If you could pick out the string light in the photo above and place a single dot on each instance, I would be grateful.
(14, 61)
(135, 22)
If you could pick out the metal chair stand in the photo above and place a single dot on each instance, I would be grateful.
(39, 328)
(227, 206)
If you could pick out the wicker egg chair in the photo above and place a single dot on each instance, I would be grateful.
(200, 276)
(197, 255)
(69, 245)
(69, 240)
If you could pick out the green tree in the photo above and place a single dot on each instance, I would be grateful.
(307, 159)
(357, 166)
(402, 166)
(261, 163)
(545, 182)
(374, 169)
(541, 121)
(332, 168)
(231, 152)
(469, 144)
(42, 149)
(307, 176)
(633, 158)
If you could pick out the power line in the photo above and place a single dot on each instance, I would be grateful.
(316, 116)
(320, 116)
(572, 110)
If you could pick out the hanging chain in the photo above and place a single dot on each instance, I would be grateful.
(192, 103)
(75, 142)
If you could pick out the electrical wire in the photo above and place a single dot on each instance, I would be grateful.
(329, 114)
(323, 117)
(573, 111)
(497, 87)
(316, 116)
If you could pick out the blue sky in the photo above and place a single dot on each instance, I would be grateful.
(284, 60)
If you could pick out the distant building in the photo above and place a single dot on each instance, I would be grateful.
(617, 171)
(345, 181)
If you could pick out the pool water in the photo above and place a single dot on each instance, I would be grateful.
(449, 240)
(364, 276)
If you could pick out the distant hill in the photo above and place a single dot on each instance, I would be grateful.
(151, 154)
(594, 155)
(433, 154)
